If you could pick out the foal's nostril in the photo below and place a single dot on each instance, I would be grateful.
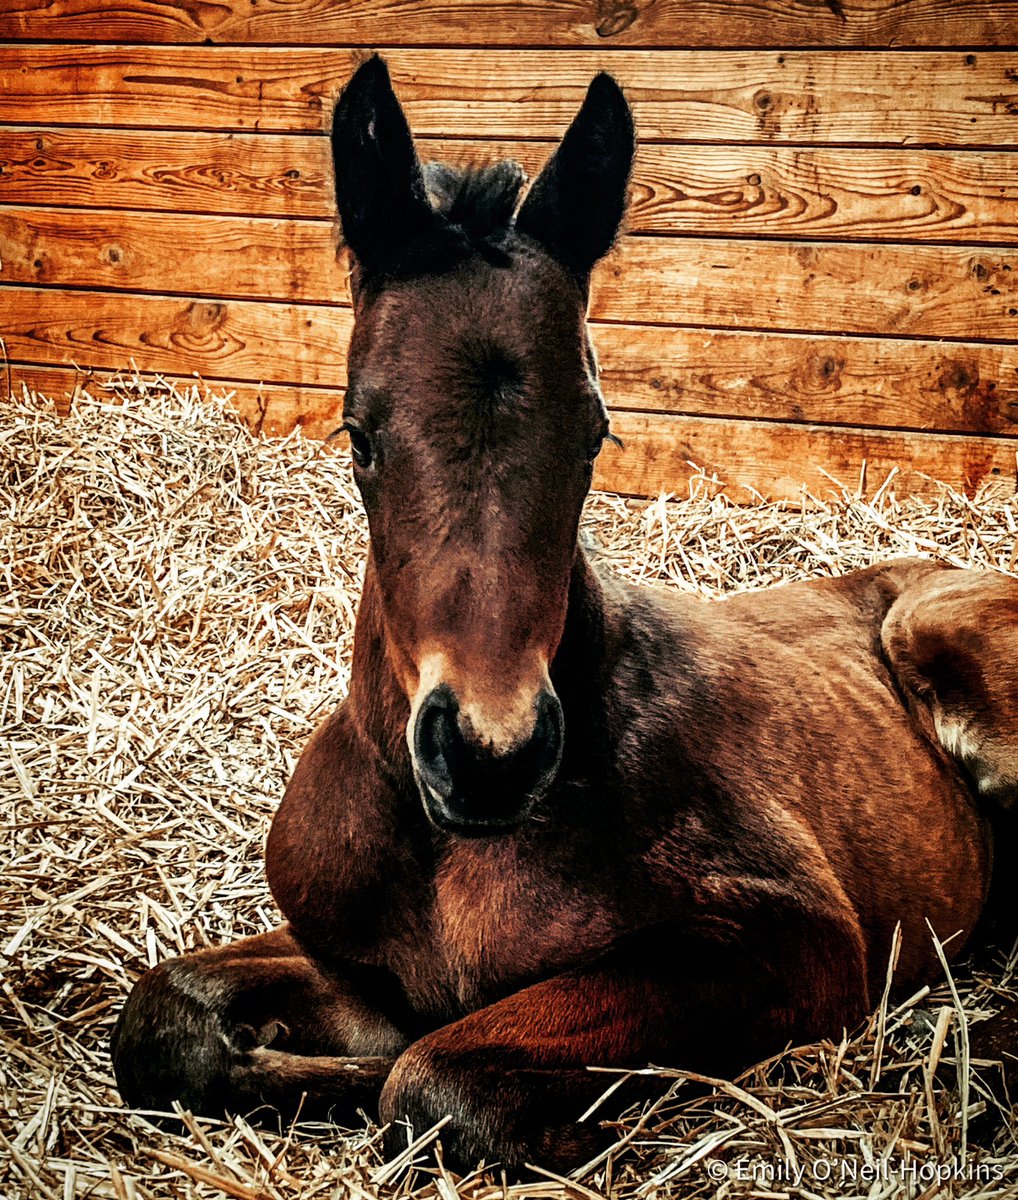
(436, 740)
(546, 740)
(465, 782)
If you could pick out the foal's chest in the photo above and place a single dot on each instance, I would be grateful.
(502, 919)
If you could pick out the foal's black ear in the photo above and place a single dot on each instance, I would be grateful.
(576, 205)
(379, 182)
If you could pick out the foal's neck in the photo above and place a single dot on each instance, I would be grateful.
(380, 708)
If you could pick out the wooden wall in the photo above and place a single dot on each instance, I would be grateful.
(821, 268)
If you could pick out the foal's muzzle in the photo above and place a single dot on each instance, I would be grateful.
(468, 787)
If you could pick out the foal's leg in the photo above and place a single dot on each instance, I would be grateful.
(252, 1023)
(513, 1076)
(952, 639)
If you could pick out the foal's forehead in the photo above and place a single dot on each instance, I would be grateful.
(519, 307)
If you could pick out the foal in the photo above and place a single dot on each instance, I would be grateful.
(559, 821)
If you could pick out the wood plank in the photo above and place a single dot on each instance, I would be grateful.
(216, 256)
(920, 291)
(946, 98)
(900, 195)
(230, 173)
(523, 22)
(223, 339)
(876, 195)
(838, 381)
(773, 459)
(274, 410)
(870, 382)
(777, 460)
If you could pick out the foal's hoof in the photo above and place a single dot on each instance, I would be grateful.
(168, 1046)
(464, 1149)
(508, 1119)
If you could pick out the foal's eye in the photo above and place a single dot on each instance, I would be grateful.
(598, 443)
(360, 446)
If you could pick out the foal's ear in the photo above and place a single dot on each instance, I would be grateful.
(379, 183)
(576, 205)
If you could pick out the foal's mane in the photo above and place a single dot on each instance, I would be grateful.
(472, 211)
(477, 201)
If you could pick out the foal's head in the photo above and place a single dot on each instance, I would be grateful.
(475, 417)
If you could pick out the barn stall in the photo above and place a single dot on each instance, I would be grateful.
(815, 289)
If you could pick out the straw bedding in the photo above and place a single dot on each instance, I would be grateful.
(176, 608)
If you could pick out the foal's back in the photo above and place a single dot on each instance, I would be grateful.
(788, 703)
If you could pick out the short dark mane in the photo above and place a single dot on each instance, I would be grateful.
(478, 200)
(473, 209)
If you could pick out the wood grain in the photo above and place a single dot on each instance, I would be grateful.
(875, 195)
(524, 22)
(225, 339)
(885, 383)
(900, 195)
(249, 257)
(920, 291)
(946, 98)
(778, 461)
(875, 382)
(229, 173)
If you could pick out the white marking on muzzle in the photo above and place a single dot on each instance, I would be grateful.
(430, 673)
(501, 722)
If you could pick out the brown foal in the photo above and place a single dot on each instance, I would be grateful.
(558, 821)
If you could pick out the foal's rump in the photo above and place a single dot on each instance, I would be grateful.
(951, 638)
(811, 714)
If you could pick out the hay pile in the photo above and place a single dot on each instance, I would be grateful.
(176, 608)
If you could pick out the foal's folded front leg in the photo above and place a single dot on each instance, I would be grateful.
(258, 1022)
(514, 1077)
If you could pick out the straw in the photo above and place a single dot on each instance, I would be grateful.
(176, 615)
